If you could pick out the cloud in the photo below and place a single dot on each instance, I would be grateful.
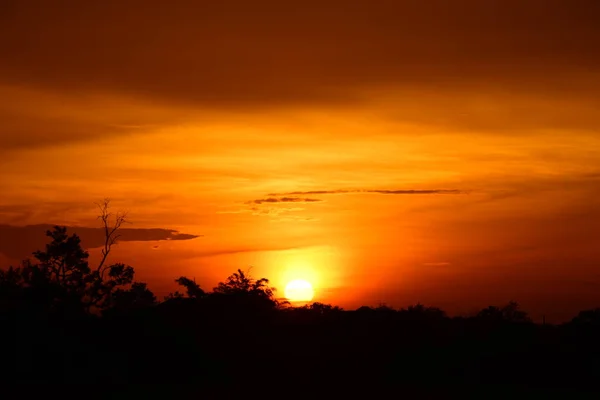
(138, 67)
(592, 176)
(437, 264)
(295, 218)
(270, 207)
(18, 242)
(238, 250)
(273, 211)
(222, 249)
(271, 200)
(268, 53)
(31, 131)
(372, 191)
(40, 118)
(266, 206)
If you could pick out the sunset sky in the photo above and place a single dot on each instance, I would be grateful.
(443, 152)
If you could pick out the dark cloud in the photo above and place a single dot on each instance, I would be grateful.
(593, 176)
(268, 53)
(272, 200)
(375, 191)
(467, 64)
(19, 132)
(313, 192)
(37, 118)
(18, 242)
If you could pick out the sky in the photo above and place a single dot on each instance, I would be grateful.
(391, 152)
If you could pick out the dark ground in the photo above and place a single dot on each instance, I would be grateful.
(188, 348)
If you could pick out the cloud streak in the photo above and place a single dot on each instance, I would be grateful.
(18, 242)
(370, 191)
(269, 206)
(272, 199)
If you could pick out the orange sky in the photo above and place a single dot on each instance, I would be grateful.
(188, 115)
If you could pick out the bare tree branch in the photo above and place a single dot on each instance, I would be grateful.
(110, 231)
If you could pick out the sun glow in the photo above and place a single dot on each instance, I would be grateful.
(299, 290)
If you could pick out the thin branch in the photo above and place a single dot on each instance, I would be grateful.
(110, 231)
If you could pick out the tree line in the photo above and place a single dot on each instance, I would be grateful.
(66, 321)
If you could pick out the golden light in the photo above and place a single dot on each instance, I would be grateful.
(299, 290)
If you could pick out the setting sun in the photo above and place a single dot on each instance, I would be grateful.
(299, 290)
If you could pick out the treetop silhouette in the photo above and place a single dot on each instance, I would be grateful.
(62, 281)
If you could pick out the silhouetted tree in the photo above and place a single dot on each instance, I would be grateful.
(421, 311)
(508, 313)
(588, 318)
(384, 310)
(136, 297)
(193, 290)
(62, 278)
(110, 230)
(241, 282)
(321, 308)
(241, 289)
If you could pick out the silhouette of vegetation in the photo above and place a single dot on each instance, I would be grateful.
(65, 321)
(240, 283)
(192, 289)
(111, 230)
(508, 313)
(62, 281)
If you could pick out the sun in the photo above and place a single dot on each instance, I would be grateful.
(299, 290)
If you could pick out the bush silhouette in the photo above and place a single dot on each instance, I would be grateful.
(61, 281)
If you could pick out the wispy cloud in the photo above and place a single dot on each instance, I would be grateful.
(437, 264)
(273, 211)
(371, 191)
(271, 205)
(264, 210)
(18, 242)
(295, 218)
(273, 199)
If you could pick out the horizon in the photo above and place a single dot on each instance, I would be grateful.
(167, 290)
(387, 154)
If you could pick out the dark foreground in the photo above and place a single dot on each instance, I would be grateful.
(200, 350)
(97, 333)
